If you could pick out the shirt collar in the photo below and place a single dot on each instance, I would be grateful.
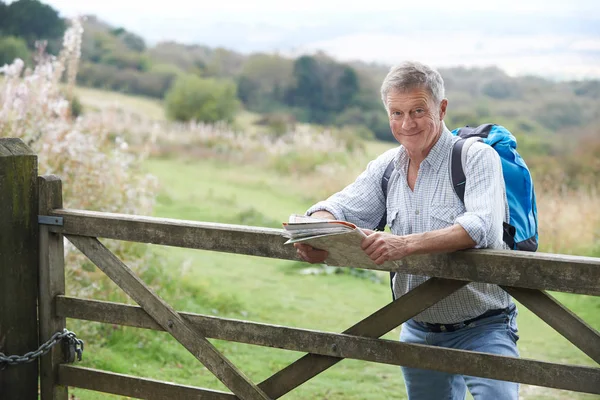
(436, 155)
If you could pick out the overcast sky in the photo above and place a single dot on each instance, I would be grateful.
(545, 37)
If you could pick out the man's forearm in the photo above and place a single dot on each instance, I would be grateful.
(447, 240)
(322, 214)
(382, 246)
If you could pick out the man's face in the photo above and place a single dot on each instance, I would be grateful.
(415, 119)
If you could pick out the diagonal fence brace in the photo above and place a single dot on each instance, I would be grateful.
(168, 318)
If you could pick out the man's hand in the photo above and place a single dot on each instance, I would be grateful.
(310, 254)
(383, 246)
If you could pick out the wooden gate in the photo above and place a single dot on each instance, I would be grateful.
(525, 276)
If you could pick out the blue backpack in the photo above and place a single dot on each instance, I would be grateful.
(521, 232)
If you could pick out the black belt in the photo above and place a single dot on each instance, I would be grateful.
(458, 325)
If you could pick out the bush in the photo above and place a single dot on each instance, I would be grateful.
(367, 124)
(12, 48)
(102, 76)
(278, 124)
(198, 99)
(126, 59)
(556, 115)
(166, 69)
(76, 107)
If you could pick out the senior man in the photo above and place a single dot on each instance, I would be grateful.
(426, 216)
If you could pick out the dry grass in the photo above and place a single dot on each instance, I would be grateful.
(98, 168)
(569, 219)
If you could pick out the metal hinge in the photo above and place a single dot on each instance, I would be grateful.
(49, 220)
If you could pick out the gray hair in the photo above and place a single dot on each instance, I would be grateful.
(413, 75)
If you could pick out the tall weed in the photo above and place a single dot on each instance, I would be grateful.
(95, 163)
(569, 218)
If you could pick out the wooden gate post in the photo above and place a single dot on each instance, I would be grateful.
(19, 253)
(52, 283)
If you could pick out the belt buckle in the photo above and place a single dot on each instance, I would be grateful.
(453, 327)
(459, 325)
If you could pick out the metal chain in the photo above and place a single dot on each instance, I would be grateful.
(69, 337)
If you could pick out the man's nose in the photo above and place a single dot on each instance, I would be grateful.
(408, 122)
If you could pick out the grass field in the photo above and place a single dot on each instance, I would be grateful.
(100, 99)
(272, 291)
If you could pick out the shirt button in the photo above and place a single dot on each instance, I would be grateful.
(416, 212)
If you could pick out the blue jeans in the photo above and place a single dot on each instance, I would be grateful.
(496, 335)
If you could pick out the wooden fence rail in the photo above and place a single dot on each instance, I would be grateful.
(524, 275)
(573, 274)
(348, 345)
(521, 274)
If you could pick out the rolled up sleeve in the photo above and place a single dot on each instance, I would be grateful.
(363, 201)
(485, 197)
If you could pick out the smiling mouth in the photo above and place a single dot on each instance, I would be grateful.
(410, 134)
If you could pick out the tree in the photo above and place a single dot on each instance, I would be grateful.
(558, 114)
(249, 92)
(501, 88)
(323, 88)
(207, 100)
(186, 57)
(13, 47)
(31, 20)
(261, 81)
(308, 92)
(374, 121)
(588, 88)
(126, 59)
(131, 40)
(3, 17)
(223, 63)
(347, 88)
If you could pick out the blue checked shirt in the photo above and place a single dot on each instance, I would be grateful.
(433, 205)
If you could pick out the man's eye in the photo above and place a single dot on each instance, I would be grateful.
(419, 110)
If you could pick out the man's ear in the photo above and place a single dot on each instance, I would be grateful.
(443, 106)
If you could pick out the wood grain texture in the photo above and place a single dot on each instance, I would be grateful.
(336, 346)
(133, 386)
(375, 325)
(564, 273)
(52, 284)
(573, 328)
(168, 318)
(19, 257)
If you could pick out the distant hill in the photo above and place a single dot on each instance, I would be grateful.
(116, 59)
(320, 89)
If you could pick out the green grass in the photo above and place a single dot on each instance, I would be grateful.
(374, 148)
(149, 107)
(271, 291)
(240, 287)
(218, 192)
(99, 99)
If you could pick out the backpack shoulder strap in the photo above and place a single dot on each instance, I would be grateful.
(458, 159)
(385, 179)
